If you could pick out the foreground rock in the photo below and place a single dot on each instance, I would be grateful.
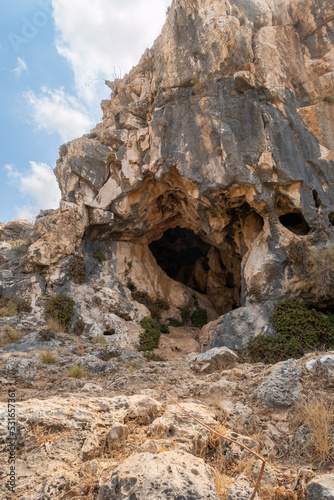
(213, 360)
(171, 474)
(321, 488)
(282, 388)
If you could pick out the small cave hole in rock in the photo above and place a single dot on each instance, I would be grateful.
(107, 333)
(317, 201)
(187, 258)
(331, 218)
(295, 222)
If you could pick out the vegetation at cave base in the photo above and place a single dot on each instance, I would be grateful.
(300, 329)
(149, 339)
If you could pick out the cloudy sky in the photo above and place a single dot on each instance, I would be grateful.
(55, 55)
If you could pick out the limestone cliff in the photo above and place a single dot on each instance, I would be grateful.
(215, 154)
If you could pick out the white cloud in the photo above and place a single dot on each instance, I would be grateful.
(38, 188)
(98, 38)
(54, 111)
(11, 172)
(21, 66)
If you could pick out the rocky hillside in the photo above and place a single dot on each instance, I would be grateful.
(197, 215)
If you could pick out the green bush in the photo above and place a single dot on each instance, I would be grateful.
(149, 339)
(99, 256)
(199, 317)
(77, 270)
(142, 297)
(61, 308)
(12, 305)
(164, 329)
(299, 330)
(152, 356)
(155, 306)
(175, 322)
(185, 315)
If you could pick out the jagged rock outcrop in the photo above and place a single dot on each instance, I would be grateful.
(214, 156)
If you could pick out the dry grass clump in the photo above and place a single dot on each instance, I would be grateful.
(99, 340)
(76, 371)
(46, 335)
(80, 350)
(222, 482)
(8, 335)
(47, 358)
(316, 266)
(318, 414)
(12, 305)
(321, 271)
(55, 325)
(16, 243)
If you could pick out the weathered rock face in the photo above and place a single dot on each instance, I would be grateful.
(215, 153)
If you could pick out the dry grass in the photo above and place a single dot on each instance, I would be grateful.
(8, 309)
(43, 435)
(321, 271)
(318, 414)
(99, 340)
(222, 482)
(8, 335)
(80, 350)
(132, 365)
(47, 358)
(55, 325)
(76, 372)
(15, 243)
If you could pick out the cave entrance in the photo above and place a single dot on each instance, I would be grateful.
(184, 257)
(187, 258)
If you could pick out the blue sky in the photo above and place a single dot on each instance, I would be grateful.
(54, 55)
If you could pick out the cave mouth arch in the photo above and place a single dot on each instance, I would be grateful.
(187, 258)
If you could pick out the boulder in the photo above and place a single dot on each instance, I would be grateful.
(236, 328)
(15, 230)
(240, 490)
(170, 474)
(31, 342)
(174, 423)
(214, 360)
(282, 388)
(95, 365)
(238, 415)
(321, 488)
(117, 435)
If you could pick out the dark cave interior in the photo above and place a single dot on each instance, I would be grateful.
(178, 253)
(186, 258)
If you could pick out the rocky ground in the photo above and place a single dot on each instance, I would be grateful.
(113, 433)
